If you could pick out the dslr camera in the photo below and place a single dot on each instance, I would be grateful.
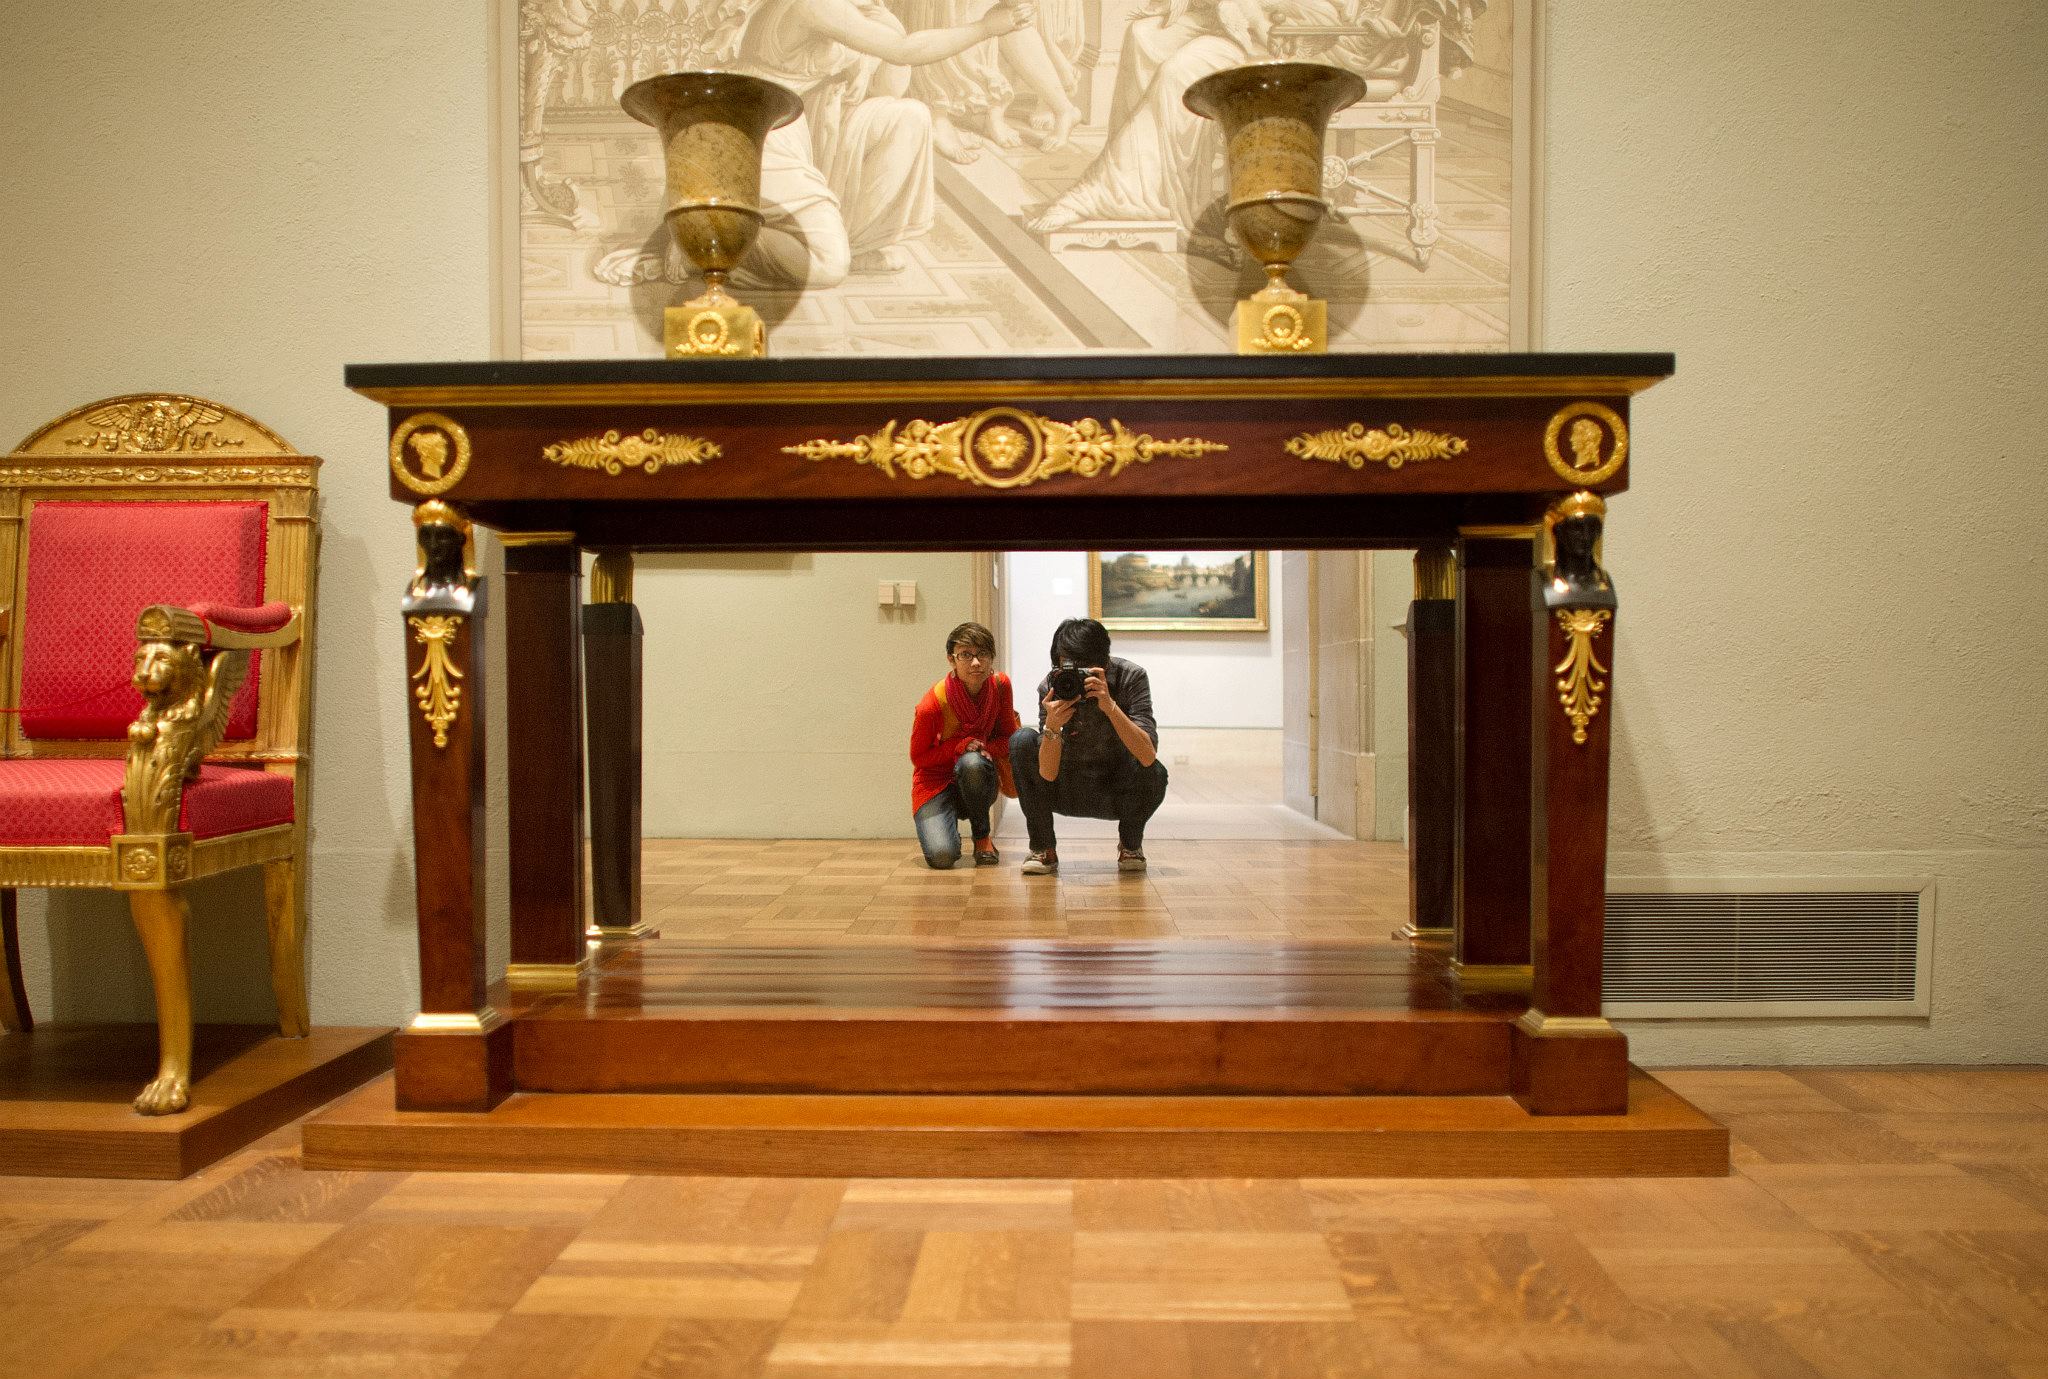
(1068, 681)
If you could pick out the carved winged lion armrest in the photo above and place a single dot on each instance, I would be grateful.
(188, 664)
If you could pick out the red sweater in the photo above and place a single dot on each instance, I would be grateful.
(934, 749)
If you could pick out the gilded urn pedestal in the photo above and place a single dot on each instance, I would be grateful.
(1274, 115)
(712, 127)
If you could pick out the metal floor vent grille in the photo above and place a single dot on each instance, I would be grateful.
(1774, 947)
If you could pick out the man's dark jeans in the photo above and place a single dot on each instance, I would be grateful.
(1130, 795)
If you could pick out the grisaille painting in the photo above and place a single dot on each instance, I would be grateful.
(1178, 591)
(1022, 177)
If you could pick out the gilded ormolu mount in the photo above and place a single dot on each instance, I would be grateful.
(1274, 115)
(1004, 447)
(712, 126)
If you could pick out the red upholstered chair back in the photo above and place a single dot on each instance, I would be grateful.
(92, 566)
(149, 498)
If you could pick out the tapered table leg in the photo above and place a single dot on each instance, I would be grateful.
(612, 639)
(544, 758)
(1432, 746)
(456, 1055)
(1567, 1059)
(1495, 646)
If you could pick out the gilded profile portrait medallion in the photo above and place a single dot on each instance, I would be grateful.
(429, 453)
(1586, 443)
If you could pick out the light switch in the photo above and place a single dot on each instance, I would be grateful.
(906, 593)
(886, 595)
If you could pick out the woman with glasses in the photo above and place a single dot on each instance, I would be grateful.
(960, 750)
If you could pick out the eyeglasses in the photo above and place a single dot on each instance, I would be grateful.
(964, 654)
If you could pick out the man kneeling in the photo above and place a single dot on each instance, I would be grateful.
(960, 750)
(1095, 753)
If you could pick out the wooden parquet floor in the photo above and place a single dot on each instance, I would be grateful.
(1880, 1222)
(880, 891)
(1888, 1222)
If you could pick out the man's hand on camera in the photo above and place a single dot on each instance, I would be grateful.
(1057, 712)
(1096, 687)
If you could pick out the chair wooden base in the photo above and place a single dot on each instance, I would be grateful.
(65, 1095)
(1023, 1136)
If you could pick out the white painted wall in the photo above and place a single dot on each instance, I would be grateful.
(1199, 679)
(1831, 564)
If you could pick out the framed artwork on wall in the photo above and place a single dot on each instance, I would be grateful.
(1178, 591)
(1042, 192)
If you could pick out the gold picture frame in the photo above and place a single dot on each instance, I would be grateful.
(1178, 591)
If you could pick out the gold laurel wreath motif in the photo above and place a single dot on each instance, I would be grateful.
(1004, 448)
(1394, 446)
(651, 451)
(1578, 689)
(1594, 429)
(440, 698)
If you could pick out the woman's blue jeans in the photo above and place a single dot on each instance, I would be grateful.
(972, 793)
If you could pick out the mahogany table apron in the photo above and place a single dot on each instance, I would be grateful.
(1495, 467)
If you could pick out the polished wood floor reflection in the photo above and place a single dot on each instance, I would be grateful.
(1881, 1223)
(880, 890)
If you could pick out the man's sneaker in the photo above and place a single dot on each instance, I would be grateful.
(985, 854)
(1042, 863)
(1130, 859)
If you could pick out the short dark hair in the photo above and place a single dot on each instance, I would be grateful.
(1083, 641)
(977, 638)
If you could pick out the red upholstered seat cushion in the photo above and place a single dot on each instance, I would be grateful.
(92, 566)
(46, 802)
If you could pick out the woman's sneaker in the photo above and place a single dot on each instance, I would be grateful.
(1042, 863)
(1130, 859)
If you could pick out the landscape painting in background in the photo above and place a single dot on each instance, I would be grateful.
(1043, 191)
(1178, 591)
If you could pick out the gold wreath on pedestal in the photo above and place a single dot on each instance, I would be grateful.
(1003, 447)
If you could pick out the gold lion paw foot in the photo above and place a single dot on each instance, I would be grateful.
(163, 1096)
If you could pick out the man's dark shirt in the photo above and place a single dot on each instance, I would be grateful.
(1093, 750)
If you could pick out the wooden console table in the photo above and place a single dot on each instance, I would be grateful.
(1476, 460)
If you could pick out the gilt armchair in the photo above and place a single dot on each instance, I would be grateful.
(160, 555)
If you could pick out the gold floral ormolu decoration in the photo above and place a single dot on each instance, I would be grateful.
(1578, 685)
(1393, 447)
(429, 453)
(440, 698)
(1003, 447)
(1598, 439)
(652, 450)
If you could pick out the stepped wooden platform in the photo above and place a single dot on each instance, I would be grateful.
(1018, 1059)
(65, 1094)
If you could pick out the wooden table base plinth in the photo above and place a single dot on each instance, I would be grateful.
(65, 1093)
(1662, 1135)
(1570, 1075)
(455, 1070)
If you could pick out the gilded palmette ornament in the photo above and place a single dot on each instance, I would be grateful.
(1004, 447)
(185, 701)
(652, 451)
(1393, 446)
(1579, 685)
(439, 697)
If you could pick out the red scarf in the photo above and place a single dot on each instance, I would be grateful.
(977, 718)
